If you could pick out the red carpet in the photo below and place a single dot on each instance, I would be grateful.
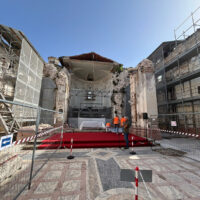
(91, 140)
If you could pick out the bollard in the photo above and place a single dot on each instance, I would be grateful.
(136, 182)
(71, 156)
(132, 151)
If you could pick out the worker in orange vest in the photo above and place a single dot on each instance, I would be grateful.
(116, 123)
(108, 126)
(122, 121)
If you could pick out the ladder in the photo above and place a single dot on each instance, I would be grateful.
(7, 118)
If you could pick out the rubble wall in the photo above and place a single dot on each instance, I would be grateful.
(47, 100)
(120, 96)
(61, 79)
(133, 83)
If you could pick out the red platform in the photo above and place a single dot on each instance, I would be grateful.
(91, 140)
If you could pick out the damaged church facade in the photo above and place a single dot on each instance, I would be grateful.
(89, 89)
(97, 89)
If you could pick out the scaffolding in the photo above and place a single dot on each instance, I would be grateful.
(10, 47)
(177, 74)
(21, 70)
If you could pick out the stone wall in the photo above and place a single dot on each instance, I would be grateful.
(142, 93)
(61, 78)
(119, 97)
(47, 100)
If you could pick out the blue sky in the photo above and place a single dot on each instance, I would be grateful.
(126, 31)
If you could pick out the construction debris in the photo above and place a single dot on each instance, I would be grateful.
(40, 128)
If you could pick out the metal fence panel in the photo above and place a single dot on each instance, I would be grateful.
(21, 161)
(177, 134)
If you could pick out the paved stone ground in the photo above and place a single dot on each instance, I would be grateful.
(94, 174)
(189, 145)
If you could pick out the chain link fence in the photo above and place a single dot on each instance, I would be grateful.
(32, 134)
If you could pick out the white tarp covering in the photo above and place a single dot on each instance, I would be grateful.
(95, 123)
(28, 83)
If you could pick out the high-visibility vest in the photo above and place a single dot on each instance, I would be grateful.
(123, 120)
(108, 124)
(116, 120)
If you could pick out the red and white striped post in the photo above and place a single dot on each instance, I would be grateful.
(136, 182)
(71, 147)
(132, 151)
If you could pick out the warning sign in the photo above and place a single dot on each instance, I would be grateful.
(173, 123)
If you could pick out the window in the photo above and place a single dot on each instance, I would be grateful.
(198, 89)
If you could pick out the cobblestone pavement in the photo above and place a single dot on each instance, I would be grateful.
(94, 174)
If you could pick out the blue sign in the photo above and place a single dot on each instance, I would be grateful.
(6, 141)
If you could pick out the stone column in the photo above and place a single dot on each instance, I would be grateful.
(133, 97)
(62, 95)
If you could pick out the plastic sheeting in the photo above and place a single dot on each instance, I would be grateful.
(28, 83)
(95, 123)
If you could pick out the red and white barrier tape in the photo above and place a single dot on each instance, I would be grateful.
(33, 137)
(178, 132)
(136, 182)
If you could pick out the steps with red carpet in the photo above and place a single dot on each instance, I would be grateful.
(91, 140)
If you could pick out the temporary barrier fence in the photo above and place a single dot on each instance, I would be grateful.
(179, 132)
(21, 159)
